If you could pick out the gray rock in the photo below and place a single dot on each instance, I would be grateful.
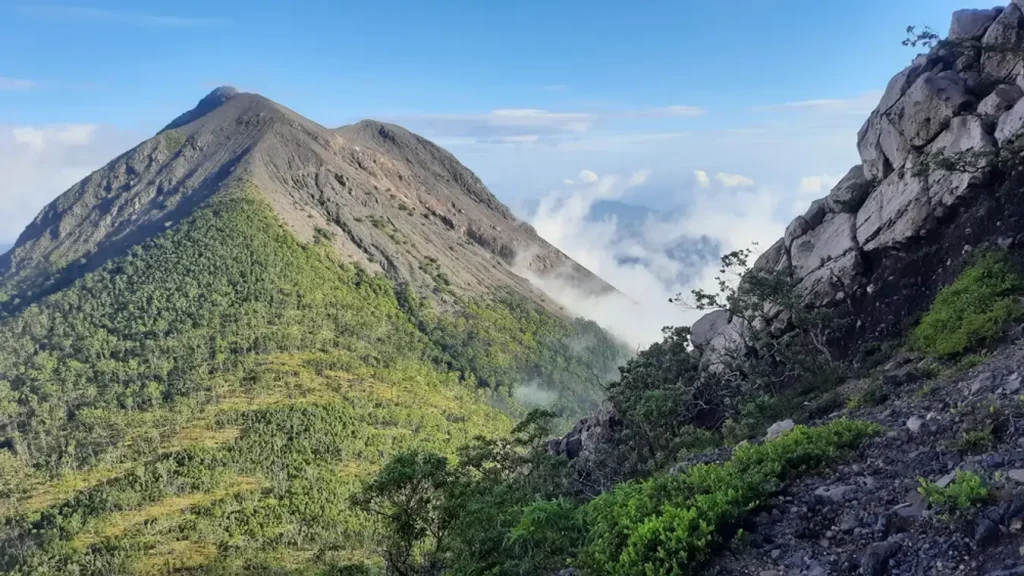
(971, 24)
(816, 212)
(914, 424)
(850, 193)
(1010, 123)
(1004, 32)
(774, 257)
(836, 236)
(1012, 384)
(708, 327)
(927, 108)
(965, 134)
(946, 480)
(897, 210)
(834, 493)
(869, 146)
(778, 429)
(874, 561)
(985, 531)
(1000, 100)
(1017, 475)
(827, 283)
(894, 144)
(725, 340)
(797, 228)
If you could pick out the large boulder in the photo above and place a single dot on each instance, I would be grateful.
(835, 237)
(1001, 60)
(775, 257)
(965, 134)
(894, 212)
(708, 327)
(869, 146)
(971, 24)
(917, 106)
(830, 282)
(797, 228)
(1010, 123)
(1000, 100)
(928, 107)
(850, 193)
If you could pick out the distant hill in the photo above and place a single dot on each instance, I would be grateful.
(207, 345)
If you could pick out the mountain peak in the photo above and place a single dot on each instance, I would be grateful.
(209, 103)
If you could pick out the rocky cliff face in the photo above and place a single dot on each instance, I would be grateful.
(896, 228)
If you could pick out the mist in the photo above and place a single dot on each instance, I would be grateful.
(534, 395)
(670, 252)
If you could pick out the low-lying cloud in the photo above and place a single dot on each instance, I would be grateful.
(666, 254)
(37, 163)
(534, 395)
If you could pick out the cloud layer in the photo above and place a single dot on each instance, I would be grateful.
(39, 162)
(661, 255)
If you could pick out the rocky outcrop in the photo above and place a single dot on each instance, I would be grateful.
(895, 229)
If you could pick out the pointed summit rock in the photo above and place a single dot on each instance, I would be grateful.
(210, 102)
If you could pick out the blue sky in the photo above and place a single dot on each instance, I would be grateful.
(135, 64)
(734, 114)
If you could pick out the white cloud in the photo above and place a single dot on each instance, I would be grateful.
(531, 117)
(861, 104)
(702, 178)
(817, 184)
(540, 125)
(37, 163)
(587, 176)
(637, 261)
(7, 83)
(734, 180)
(638, 178)
(675, 111)
(568, 182)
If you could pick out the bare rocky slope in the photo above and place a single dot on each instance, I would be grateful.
(380, 194)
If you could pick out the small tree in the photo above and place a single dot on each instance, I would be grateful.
(408, 497)
(780, 340)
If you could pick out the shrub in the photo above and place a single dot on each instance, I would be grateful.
(965, 491)
(670, 524)
(973, 310)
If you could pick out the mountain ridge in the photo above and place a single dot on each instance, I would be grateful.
(385, 197)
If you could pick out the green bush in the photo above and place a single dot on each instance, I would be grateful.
(966, 490)
(973, 310)
(670, 524)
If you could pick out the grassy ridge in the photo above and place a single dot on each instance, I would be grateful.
(209, 401)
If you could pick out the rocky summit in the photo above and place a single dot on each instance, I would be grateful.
(382, 196)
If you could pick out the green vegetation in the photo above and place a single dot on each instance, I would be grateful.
(431, 268)
(505, 514)
(972, 311)
(963, 492)
(210, 401)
